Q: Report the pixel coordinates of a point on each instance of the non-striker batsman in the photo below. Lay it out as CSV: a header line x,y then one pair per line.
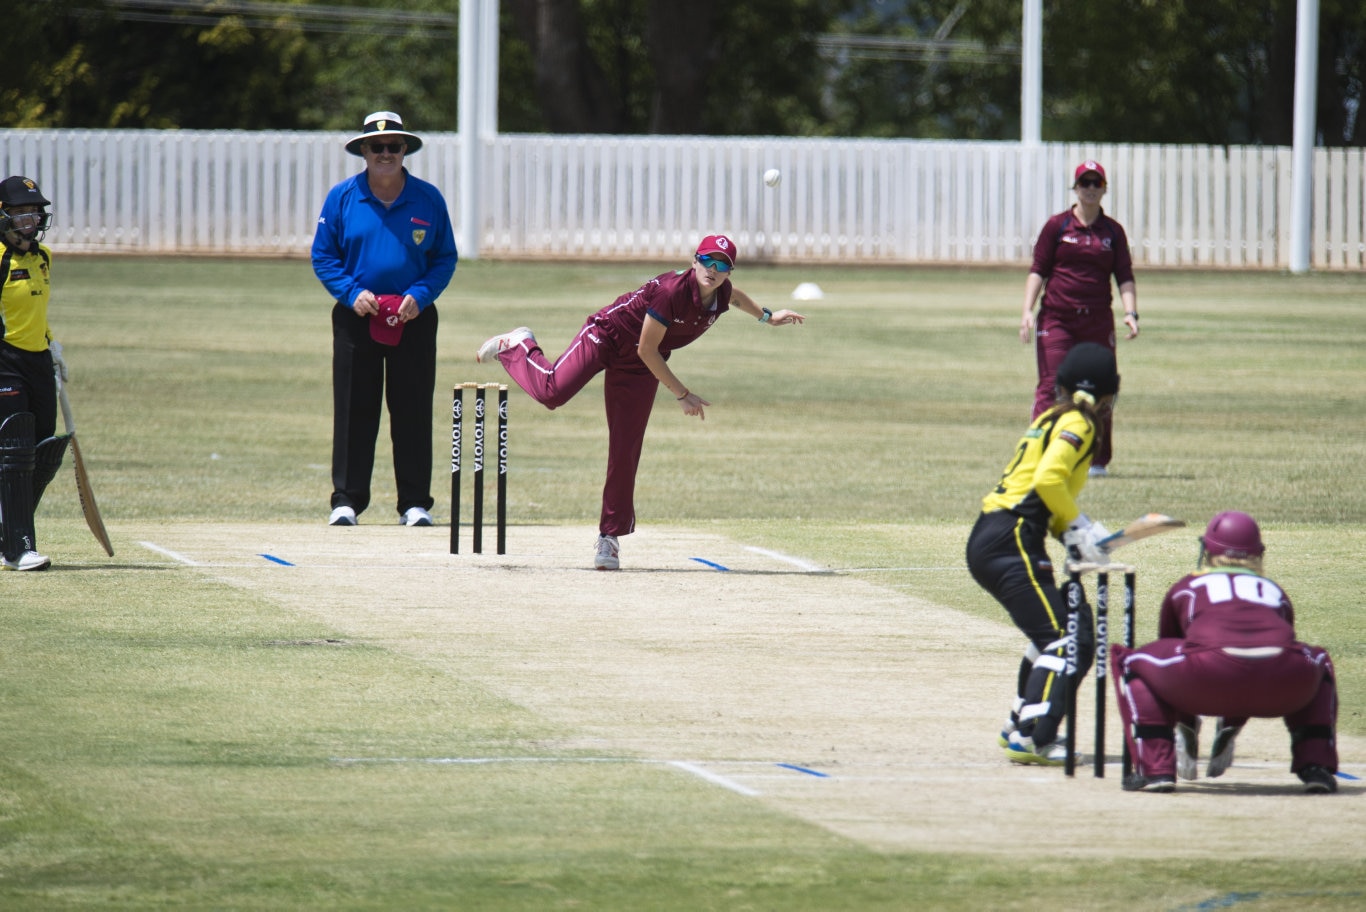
x,y
30,454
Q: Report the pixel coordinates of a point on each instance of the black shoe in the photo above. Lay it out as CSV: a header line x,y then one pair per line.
x,y
1317,780
1137,783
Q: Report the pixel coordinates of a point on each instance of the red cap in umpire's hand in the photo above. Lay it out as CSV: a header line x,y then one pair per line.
x,y
385,326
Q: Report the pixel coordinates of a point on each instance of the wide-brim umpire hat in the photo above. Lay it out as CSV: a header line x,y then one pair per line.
x,y
383,123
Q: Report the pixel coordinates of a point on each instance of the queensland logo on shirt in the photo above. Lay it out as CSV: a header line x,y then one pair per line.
x,y
420,234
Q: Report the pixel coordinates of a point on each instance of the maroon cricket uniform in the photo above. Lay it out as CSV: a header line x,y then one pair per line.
x,y
1076,262
1226,648
607,343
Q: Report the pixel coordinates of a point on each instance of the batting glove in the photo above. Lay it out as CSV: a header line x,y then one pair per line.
x,y
58,361
1082,540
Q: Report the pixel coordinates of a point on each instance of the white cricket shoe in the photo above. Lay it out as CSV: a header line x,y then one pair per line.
x,y
342,516
608,554
1188,750
494,347
415,516
1221,751
1021,749
29,560
1012,722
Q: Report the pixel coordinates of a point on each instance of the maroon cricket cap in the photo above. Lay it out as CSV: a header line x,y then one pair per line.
x,y
717,245
1086,166
385,327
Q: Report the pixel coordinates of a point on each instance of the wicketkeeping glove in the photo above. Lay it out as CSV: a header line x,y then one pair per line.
x,y
1082,540
58,361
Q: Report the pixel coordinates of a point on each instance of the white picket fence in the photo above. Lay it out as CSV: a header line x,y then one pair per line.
x,y
649,197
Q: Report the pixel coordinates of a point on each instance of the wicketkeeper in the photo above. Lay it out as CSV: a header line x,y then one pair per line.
x,y
1226,649
30,454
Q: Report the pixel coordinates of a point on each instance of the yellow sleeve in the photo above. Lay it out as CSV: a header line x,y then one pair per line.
x,y
1061,473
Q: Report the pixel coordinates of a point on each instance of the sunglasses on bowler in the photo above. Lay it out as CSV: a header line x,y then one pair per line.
x,y
378,147
714,263
1090,182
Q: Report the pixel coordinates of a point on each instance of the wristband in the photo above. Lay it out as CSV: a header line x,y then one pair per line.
x,y
768,314
1132,313
686,394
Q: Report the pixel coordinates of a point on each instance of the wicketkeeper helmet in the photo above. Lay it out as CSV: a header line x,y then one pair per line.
x,y
1233,534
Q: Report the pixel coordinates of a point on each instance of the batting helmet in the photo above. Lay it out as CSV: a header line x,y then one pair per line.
x,y
1233,534
22,193
1089,367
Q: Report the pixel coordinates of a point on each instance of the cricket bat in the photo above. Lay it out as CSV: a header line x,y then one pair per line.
x,y
87,494
1143,527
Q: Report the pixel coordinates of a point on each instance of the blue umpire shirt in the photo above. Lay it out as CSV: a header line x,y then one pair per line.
x,y
408,248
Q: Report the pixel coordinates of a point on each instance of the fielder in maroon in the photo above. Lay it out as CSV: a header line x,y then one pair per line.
x,y
630,341
1076,253
1227,648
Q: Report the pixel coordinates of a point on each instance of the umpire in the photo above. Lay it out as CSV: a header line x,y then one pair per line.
x,y
385,250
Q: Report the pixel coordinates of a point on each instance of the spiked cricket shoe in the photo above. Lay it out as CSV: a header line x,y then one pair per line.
x,y
607,555
495,346
1022,749
28,560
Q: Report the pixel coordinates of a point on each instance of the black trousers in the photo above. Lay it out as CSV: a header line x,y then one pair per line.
x,y
27,384
1008,557
367,376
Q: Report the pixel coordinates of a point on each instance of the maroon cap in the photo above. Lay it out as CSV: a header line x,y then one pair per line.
x,y
714,245
1089,165
385,327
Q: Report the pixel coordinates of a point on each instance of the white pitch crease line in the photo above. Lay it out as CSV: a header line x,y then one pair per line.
x,y
680,764
902,569
797,562
713,778
150,546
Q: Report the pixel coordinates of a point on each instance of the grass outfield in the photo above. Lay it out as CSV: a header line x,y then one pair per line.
x,y
161,728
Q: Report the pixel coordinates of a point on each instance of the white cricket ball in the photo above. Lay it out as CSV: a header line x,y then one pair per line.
x,y
773,177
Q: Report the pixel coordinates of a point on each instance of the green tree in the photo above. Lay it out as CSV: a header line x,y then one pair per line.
x,y
278,64
660,66
84,64
1160,71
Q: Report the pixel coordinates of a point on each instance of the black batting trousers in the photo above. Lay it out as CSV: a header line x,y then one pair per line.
x,y
367,376
1007,556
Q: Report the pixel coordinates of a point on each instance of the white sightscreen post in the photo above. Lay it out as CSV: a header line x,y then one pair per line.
x,y
1031,73
1302,154
478,115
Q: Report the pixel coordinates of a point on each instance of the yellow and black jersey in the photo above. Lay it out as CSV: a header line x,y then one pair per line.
x,y
1048,471
24,296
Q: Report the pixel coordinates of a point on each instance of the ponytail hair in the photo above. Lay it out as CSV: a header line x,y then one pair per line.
x,y
1084,402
